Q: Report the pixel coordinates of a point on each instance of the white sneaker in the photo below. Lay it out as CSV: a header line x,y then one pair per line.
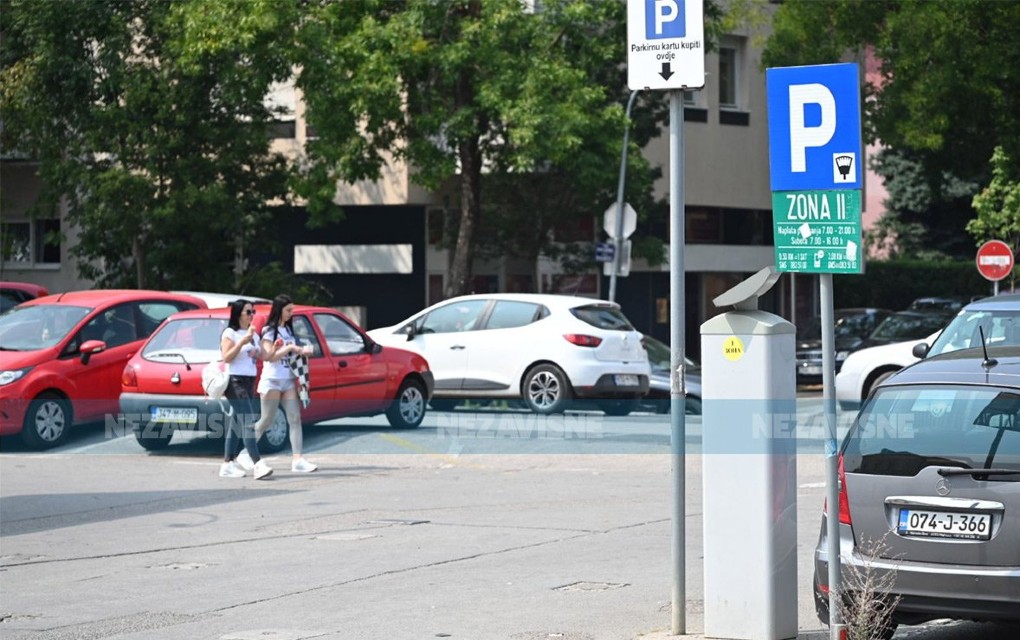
x,y
244,460
302,466
231,470
262,470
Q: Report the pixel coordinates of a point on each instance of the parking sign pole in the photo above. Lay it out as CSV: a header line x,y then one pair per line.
x,y
831,452
677,332
618,238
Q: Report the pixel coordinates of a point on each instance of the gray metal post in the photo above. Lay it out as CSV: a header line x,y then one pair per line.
x,y
677,343
618,241
831,452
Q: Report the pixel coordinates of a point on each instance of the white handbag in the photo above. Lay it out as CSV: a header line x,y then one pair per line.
x,y
215,379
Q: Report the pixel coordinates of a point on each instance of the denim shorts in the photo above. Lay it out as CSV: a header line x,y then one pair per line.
x,y
270,384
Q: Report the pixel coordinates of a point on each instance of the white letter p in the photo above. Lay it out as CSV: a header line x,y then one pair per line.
x,y
802,137
665,11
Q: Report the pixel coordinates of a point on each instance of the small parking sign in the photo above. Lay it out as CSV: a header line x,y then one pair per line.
x,y
665,44
814,127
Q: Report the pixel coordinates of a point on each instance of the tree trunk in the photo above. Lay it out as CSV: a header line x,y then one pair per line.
x,y
470,207
138,253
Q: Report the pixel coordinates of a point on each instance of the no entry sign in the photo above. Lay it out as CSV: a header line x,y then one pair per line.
x,y
995,260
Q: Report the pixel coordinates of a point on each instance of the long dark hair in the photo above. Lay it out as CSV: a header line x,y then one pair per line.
x,y
276,313
236,309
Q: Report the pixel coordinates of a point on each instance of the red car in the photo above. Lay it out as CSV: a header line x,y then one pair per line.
x,y
350,375
62,356
14,293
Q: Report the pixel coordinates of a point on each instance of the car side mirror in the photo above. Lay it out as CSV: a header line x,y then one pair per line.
x,y
90,347
411,333
920,350
375,348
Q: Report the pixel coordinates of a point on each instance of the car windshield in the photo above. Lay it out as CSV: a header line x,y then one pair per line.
x,y
191,340
1000,328
659,355
38,326
902,430
603,317
900,327
848,325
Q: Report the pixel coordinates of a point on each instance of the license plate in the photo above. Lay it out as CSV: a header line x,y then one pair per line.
x,y
177,415
811,370
942,524
626,380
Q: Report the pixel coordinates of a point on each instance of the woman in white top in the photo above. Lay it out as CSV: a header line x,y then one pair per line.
x,y
278,382
240,352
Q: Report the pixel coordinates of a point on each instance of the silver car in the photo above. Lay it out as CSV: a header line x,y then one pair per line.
x,y
930,491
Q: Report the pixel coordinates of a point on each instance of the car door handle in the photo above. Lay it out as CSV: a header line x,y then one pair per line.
x,y
458,347
342,364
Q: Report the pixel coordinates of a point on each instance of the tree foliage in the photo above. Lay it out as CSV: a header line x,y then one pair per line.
x,y
998,205
948,93
162,154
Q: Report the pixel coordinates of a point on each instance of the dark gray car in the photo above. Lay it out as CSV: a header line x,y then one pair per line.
x,y
930,490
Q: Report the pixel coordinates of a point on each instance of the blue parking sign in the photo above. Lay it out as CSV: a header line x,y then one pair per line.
x,y
814,127
665,19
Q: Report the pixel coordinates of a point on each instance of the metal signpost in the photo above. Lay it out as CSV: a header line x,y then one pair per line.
x,y
666,51
815,158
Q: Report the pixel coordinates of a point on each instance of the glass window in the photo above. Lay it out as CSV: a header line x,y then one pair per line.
x,y
728,77
153,314
30,242
192,340
1000,328
508,314
457,316
38,326
305,334
603,317
114,326
341,338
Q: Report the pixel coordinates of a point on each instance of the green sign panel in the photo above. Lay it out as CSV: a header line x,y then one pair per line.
x,y
818,231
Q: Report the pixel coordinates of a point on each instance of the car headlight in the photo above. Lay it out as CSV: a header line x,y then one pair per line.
x,y
841,355
10,375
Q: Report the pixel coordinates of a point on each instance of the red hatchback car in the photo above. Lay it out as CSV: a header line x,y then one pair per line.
x,y
62,356
350,375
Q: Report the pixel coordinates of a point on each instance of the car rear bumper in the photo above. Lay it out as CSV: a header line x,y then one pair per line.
x,y
927,590
606,386
138,411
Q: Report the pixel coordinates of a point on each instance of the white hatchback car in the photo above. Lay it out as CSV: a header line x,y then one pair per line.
x,y
866,368
543,349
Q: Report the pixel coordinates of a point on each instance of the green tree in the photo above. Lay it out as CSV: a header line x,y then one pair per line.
x,y
998,205
161,153
948,93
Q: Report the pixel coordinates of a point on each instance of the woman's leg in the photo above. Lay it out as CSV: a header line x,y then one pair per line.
x,y
270,401
231,423
292,407
245,413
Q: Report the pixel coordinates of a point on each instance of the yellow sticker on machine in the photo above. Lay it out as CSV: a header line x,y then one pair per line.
x,y
733,349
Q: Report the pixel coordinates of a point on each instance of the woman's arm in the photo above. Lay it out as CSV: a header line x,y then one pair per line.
x,y
229,349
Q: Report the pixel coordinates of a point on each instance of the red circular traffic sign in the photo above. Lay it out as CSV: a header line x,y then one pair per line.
x,y
995,260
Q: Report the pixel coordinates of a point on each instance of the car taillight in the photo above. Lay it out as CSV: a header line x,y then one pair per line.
x,y
844,498
129,378
582,340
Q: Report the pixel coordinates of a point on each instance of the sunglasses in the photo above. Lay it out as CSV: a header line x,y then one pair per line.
x,y
249,312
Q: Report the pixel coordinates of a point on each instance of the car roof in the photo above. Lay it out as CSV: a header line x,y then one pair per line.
x,y
1007,302
27,287
965,366
262,308
549,299
214,300
93,297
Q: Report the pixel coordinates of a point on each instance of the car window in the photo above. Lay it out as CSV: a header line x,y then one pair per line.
x,y
457,316
507,314
908,326
305,334
964,332
341,338
191,340
114,326
39,326
603,317
152,314
905,429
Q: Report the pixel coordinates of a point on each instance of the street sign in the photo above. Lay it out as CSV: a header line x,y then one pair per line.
x,y
604,251
665,44
995,260
817,231
814,127
607,268
629,220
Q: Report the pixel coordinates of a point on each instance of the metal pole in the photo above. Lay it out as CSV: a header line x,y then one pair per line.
x,y
677,343
617,240
831,453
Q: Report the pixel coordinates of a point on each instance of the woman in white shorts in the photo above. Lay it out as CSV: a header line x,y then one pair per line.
x,y
277,383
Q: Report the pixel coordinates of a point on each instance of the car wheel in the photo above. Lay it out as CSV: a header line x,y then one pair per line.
x,y
546,389
154,441
618,407
47,422
274,439
879,379
408,409
443,404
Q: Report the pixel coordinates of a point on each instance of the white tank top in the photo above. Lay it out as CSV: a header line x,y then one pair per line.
x,y
244,364
277,370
